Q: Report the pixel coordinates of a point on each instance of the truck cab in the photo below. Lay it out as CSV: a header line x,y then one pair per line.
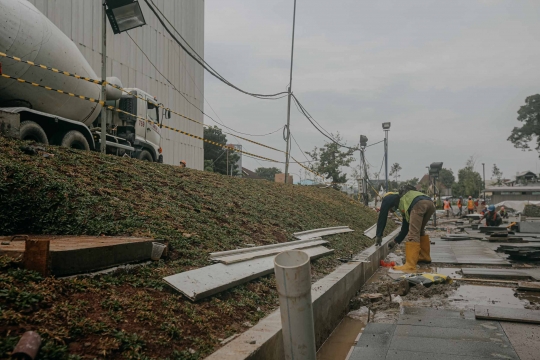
x,y
142,132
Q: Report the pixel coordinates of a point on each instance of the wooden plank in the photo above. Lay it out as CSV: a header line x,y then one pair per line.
x,y
70,242
36,256
499,313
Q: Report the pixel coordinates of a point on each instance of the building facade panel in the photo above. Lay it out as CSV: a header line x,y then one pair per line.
x,y
80,20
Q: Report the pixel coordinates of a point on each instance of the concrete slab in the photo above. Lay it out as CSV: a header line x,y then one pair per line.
x,y
431,332
507,314
496,273
437,313
454,347
466,252
406,355
525,339
529,227
368,353
448,323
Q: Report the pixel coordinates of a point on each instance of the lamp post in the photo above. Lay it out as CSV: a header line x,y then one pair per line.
x,y
289,90
386,128
484,174
434,170
123,15
363,144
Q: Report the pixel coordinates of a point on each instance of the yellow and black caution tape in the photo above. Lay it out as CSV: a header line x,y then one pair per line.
x,y
104,82
133,115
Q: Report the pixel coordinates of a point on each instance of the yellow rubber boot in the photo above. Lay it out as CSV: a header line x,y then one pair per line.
x,y
425,249
412,252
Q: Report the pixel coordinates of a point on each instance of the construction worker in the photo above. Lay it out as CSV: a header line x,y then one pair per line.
x,y
447,207
183,164
492,217
476,204
460,206
389,203
416,208
503,213
470,205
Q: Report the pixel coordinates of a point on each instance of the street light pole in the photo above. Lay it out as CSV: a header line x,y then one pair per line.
x,y
386,128
288,146
103,139
484,174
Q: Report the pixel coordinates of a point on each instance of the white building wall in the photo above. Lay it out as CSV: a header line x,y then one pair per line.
x,y
81,21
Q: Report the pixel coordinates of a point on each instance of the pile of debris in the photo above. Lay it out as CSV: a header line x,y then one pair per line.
x,y
532,211
531,253
505,236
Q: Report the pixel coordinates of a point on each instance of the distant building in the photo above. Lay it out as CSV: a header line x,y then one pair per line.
x,y
280,178
513,193
526,177
425,185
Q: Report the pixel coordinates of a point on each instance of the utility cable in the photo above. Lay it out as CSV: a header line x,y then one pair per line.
x,y
182,94
207,67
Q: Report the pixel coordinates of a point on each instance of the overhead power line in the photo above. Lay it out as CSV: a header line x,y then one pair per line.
x,y
195,106
204,64
304,112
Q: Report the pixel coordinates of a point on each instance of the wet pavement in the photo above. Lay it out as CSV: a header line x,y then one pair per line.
x,y
383,306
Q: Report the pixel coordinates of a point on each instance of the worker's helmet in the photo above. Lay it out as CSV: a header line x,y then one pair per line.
x,y
491,208
470,197
183,162
461,197
502,208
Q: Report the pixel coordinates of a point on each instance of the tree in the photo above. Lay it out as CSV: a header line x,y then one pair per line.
x,y
394,171
329,159
529,115
218,155
469,181
208,165
414,181
267,173
447,178
497,174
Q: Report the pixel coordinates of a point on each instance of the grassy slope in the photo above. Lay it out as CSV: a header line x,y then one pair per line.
x,y
133,314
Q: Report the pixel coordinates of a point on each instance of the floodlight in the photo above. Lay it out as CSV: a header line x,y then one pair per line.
x,y
386,125
124,15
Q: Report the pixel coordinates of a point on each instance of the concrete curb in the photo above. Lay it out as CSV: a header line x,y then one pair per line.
x,y
331,296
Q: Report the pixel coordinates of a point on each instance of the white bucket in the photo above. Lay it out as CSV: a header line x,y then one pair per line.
x,y
157,250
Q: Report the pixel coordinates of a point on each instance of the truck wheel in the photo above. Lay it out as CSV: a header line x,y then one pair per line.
x,y
75,140
30,130
145,156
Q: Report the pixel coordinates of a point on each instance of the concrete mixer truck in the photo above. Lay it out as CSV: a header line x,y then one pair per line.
x,y
34,113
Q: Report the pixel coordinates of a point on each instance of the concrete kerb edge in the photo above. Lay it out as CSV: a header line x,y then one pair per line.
x,y
330,296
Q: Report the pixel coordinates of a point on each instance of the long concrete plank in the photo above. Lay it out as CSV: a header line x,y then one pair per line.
x,y
203,282
497,273
500,313
437,313
235,258
330,296
442,322
416,355
310,234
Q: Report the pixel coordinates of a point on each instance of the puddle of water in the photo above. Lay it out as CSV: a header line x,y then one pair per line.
x,y
467,296
337,346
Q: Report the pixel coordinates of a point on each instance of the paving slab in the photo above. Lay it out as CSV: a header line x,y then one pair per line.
x,y
432,332
413,355
467,252
507,314
448,323
525,339
438,313
454,347
497,273
374,342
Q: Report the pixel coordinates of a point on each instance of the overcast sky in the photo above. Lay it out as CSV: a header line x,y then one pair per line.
x,y
449,76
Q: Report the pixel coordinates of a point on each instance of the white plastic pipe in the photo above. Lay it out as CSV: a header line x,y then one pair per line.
x,y
293,278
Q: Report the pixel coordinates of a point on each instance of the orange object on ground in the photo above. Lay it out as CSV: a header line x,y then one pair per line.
x,y
388,264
